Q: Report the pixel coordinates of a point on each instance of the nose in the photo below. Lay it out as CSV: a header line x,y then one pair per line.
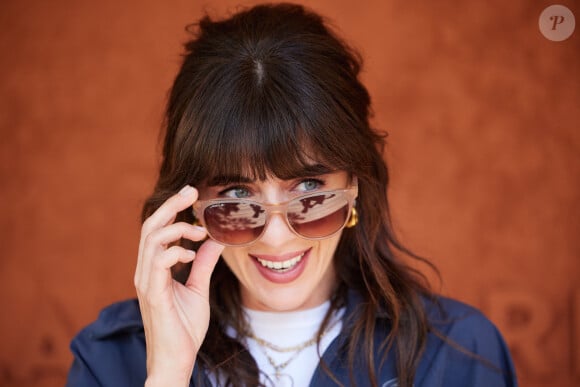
x,y
277,232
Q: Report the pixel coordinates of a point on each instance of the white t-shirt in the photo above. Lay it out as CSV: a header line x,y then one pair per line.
x,y
289,329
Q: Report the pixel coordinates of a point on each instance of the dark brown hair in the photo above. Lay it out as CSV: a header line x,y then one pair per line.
x,y
266,91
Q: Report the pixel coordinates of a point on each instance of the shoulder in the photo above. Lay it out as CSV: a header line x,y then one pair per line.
x,y
120,317
455,317
463,323
111,350
464,346
115,323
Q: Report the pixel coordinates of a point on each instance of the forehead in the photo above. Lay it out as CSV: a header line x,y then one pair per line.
x,y
225,154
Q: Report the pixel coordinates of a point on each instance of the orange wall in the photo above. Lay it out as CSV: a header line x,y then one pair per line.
x,y
482,112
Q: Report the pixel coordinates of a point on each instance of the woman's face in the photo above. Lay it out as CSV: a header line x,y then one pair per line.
x,y
282,271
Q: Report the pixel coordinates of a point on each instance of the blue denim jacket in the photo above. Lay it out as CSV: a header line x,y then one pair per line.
x,y
111,351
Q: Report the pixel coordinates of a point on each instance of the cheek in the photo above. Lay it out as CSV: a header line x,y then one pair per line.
x,y
328,247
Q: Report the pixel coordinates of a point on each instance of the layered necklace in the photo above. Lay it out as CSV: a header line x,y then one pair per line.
x,y
282,378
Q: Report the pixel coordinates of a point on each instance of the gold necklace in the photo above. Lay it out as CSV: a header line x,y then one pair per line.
x,y
297,349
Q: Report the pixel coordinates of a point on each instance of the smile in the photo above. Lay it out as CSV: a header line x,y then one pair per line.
x,y
281,266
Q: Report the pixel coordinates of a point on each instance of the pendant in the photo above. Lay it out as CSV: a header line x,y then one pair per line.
x,y
284,380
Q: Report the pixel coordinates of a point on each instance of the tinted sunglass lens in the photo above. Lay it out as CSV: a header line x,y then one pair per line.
x,y
235,223
318,216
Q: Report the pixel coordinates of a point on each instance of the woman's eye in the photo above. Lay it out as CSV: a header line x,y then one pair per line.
x,y
235,192
309,185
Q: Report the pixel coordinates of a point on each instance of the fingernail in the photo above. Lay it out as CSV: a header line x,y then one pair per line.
x,y
191,253
199,228
186,191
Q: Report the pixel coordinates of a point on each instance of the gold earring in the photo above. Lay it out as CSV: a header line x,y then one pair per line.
x,y
353,219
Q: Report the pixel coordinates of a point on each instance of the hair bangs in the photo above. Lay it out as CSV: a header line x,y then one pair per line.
x,y
265,128
257,145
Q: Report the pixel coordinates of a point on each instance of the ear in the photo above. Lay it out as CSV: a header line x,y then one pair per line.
x,y
354,184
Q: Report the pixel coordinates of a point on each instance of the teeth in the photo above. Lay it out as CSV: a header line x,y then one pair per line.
x,y
282,266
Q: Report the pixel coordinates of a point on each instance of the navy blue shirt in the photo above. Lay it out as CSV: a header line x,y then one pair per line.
x,y
111,352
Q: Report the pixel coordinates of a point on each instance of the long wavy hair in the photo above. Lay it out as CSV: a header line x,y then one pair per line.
x,y
263,92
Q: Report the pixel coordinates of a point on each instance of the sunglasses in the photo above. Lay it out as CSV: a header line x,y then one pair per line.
x,y
240,222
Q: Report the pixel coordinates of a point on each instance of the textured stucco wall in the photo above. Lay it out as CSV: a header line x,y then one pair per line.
x,y
484,148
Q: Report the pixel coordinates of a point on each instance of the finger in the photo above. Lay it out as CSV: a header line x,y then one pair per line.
x,y
164,215
171,234
167,212
156,242
160,278
202,268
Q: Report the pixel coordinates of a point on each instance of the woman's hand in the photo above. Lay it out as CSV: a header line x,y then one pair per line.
x,y
175,316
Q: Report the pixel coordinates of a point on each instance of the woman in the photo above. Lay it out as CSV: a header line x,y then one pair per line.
x,y
269,153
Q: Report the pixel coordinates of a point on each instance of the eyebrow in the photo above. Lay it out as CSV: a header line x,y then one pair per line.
x,y
307,171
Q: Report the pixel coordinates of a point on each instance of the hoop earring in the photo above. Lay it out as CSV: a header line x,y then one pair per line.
x,y
353,219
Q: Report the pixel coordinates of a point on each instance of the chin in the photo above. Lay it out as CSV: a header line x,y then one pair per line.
x,y
286,299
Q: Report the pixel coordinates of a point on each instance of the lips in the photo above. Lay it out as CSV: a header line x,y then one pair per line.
x,y
282,268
